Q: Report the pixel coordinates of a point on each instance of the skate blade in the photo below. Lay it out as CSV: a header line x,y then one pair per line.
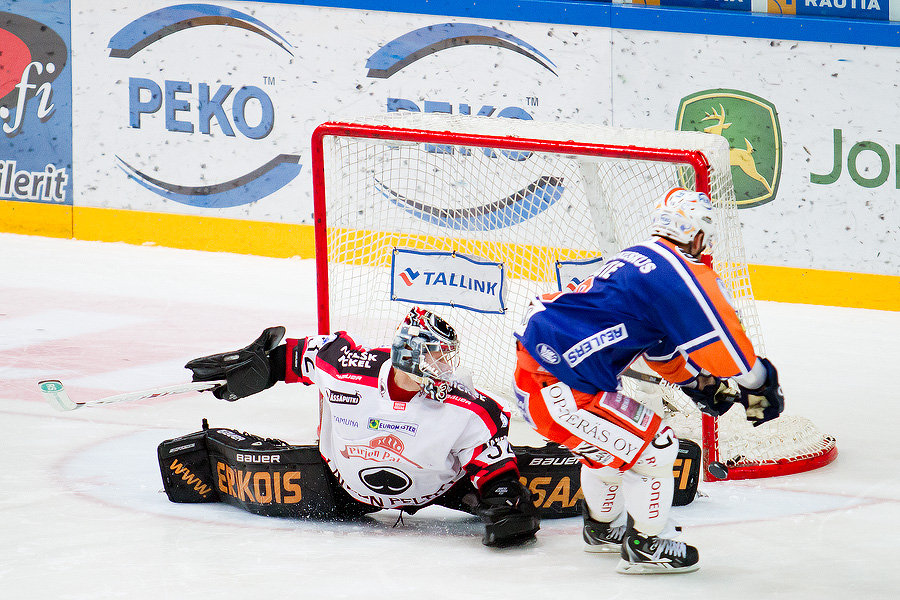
x,y
603,548
629,568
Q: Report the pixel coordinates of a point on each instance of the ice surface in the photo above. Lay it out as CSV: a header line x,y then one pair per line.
x,y
82,516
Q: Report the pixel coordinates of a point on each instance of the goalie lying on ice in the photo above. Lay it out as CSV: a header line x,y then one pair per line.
x,y
398,427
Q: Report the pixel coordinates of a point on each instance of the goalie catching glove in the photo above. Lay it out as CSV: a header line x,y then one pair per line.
x,y
508,512
244,372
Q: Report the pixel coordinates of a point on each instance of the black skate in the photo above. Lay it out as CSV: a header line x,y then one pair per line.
x,y
602,537
651,554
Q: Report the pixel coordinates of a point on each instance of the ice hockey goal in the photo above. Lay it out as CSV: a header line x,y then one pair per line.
x,y
475,215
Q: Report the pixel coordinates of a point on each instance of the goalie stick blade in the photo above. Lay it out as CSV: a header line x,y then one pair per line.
x,y
55,394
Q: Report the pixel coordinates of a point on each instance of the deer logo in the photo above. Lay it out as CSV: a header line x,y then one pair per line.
x,y
740,158
750,124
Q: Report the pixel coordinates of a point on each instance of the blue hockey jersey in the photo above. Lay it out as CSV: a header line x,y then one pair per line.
x,y
651,299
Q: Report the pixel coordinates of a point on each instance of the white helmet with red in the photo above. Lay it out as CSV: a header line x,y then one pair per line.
x,y
426,347
682,214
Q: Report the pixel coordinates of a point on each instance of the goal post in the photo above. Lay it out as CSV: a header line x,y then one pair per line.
x,y
474,216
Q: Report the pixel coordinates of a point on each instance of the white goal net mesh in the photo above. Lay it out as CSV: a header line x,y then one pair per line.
x,y
535,204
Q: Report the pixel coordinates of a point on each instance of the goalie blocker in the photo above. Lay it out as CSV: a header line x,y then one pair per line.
x,y
269,477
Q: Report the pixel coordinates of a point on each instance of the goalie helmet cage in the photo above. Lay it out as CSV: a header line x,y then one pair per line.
x,y
538,198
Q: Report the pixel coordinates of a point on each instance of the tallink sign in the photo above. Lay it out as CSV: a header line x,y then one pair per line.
x,y
448,279
219,114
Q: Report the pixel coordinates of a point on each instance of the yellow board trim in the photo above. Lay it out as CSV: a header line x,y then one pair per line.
x,y
829,288
285,240
34,218
211,234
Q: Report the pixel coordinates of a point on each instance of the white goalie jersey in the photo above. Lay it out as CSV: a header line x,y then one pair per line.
x,y
393,453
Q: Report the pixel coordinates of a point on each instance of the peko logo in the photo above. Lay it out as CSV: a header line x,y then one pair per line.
x,y
396,55
191,107
412,46
416,45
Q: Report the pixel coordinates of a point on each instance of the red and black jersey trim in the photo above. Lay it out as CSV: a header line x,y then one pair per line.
x,y
344,359
481,472
490,412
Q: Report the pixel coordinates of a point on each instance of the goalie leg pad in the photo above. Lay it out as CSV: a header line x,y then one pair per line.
x,y
263,476
553,473
186,470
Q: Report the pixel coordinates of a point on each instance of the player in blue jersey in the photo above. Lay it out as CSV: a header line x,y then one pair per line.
x,y
659,301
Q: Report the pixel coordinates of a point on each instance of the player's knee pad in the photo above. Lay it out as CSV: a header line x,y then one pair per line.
x,y
658,458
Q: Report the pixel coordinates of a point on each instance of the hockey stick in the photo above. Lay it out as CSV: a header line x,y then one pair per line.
x,y
56,395
730,394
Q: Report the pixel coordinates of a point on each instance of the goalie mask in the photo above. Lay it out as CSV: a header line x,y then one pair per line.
x,y
682,214
426,347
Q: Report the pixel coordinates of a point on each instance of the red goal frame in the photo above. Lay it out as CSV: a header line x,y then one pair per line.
x,y
692,158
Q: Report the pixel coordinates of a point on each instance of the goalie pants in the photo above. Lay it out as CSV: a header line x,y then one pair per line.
x,y
627,454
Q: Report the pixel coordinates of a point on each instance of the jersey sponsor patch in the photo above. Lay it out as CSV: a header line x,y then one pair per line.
x,y
594,343
345,421
384,449
547,354
628,408
336,397
392,426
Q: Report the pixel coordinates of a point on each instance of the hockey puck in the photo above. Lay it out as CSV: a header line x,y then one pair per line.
x,y
717,470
